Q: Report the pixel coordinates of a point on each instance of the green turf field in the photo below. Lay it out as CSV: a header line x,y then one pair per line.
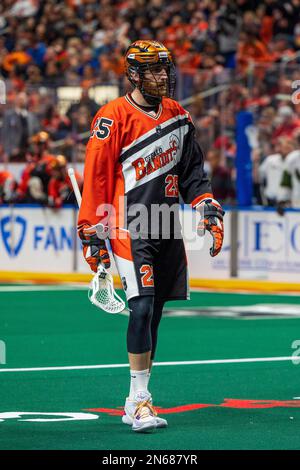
x,y
209,405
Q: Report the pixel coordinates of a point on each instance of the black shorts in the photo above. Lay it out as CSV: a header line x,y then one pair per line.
x,y
152,267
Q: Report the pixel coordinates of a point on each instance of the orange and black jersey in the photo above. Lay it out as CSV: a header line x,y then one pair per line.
x,y
139,157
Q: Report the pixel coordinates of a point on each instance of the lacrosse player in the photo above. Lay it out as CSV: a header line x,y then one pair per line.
x,y
142,152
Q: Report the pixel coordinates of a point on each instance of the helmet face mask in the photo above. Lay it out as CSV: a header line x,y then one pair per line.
x,y
149,67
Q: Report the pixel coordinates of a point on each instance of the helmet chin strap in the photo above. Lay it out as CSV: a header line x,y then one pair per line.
x,y
152,100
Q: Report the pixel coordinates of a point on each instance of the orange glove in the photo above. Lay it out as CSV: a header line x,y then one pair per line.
x,y
94,248
212,220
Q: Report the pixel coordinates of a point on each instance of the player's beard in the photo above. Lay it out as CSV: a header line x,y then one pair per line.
x,y
155,89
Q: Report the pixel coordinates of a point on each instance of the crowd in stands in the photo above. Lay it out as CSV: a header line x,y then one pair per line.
x,y
248,47
44,179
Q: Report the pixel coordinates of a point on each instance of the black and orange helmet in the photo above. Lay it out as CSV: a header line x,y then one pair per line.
x,y
39,143
41,137
150,56
59,163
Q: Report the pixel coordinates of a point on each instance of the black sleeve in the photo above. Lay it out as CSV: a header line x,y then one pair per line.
x,y
192,179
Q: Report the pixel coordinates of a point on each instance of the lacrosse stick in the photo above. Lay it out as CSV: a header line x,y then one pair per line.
x,y
101,292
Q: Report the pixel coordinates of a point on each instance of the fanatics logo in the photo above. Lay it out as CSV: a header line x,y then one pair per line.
x,y
158,130
13,249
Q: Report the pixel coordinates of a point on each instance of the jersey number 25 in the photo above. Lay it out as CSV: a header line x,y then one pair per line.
x,y
102,128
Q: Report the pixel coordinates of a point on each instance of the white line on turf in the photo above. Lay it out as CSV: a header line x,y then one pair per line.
x,y
74,285
177,363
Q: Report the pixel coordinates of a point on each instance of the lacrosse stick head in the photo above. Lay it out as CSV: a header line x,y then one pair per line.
x,y
102,293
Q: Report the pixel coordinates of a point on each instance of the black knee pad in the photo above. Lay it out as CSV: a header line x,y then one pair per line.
x,y
139,326
156,317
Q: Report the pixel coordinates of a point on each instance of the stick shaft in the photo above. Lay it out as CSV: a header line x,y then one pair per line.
x,y
73,179
77,192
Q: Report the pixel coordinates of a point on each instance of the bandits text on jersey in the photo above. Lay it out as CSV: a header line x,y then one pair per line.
x,y
156,160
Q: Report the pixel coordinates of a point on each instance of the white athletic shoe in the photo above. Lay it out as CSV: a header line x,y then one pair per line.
x,y
131,407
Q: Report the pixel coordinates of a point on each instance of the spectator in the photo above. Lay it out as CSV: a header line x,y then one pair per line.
x,y
289,193
19,125
7,186
270,172
33,186
220,177
287,122
253,51
229,26
55,124
60,190
18,57
84,101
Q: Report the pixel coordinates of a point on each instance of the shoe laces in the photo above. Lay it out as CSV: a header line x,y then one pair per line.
x,y
144,409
